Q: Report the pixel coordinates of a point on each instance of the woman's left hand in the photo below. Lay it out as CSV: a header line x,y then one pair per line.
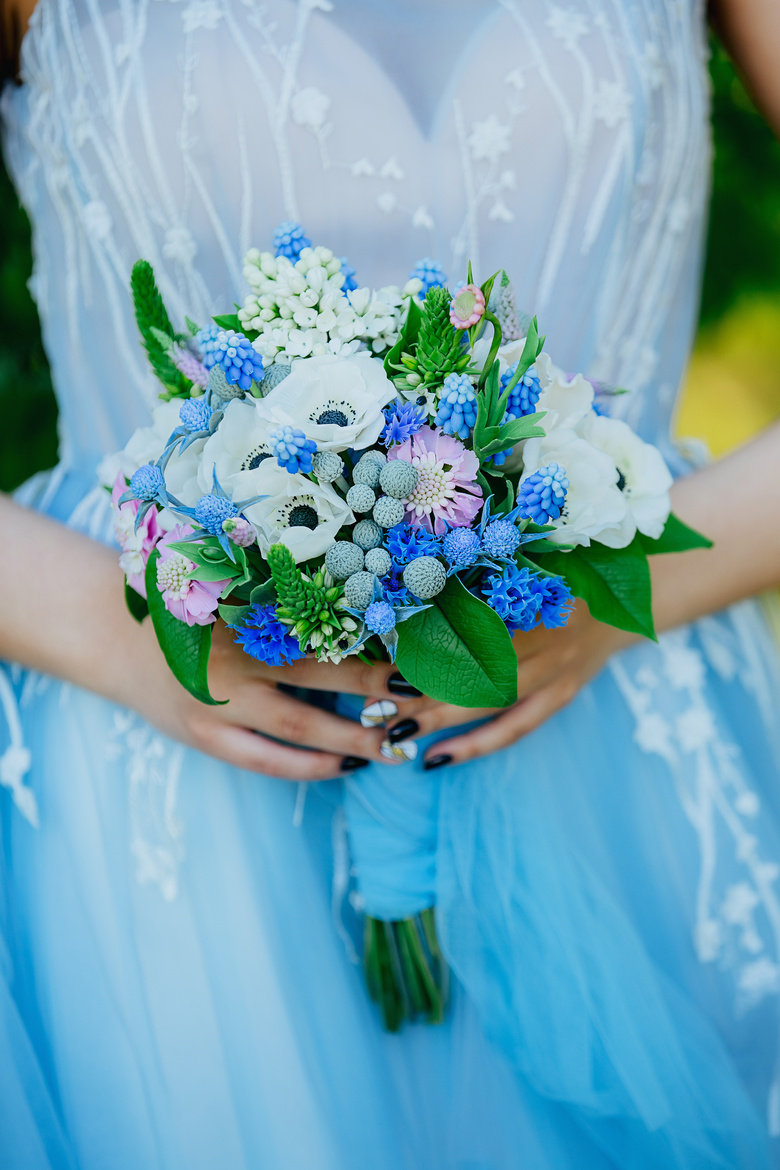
x,y
552,667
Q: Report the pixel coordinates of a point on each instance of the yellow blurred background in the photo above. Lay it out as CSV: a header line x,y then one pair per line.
x,y
733,385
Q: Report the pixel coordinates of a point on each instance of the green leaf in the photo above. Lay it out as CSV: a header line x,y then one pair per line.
x,y
459,651
186,648
407,338
615,583
514,432
233,615
675,538
228,321
135,603
213,573
264,594
193,328
531,350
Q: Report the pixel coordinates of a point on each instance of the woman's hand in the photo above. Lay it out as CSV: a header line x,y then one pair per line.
x,y
552,667
62,612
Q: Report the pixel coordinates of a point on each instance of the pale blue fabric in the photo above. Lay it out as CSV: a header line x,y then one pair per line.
x,y
178,984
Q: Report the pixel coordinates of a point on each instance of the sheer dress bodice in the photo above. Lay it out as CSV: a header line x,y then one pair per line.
x,y
566,142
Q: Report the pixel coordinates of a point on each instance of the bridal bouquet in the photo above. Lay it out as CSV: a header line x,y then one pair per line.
x,y
398,473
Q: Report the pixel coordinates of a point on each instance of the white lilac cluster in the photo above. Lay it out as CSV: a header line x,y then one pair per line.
x,y
300,309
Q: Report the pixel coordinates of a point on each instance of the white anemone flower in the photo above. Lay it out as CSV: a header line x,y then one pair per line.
x,y
565,400
643,476
595,507
237,445
296,511
336,400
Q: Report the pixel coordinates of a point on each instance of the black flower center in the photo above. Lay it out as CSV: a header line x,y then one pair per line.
x,y
255,458
333,418
621,480
303,516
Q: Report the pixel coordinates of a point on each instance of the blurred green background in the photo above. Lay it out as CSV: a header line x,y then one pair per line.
x,y
737,357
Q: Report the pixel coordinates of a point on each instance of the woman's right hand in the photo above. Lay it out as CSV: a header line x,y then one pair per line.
x,y
62,612
246,730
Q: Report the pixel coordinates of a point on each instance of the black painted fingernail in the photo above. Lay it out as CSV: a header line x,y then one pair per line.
x,y
352,763
437,762
403,730
397,685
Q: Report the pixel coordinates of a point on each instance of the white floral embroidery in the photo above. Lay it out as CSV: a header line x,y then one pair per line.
x,y
568,25
310,108
489,139
612,103
204,14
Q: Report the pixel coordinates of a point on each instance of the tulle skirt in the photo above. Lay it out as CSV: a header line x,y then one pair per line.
x,y
180,983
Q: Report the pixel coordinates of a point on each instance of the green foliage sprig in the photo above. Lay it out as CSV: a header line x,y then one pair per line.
x,y
305,602
153,320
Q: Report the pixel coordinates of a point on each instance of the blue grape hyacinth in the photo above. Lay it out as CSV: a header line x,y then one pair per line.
x,y
430,272
264,637
290,239
457,412
524,395
349,273
541,497
292,449
233,351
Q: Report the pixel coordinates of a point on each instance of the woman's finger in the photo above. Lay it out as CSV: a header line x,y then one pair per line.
x,y
351,676
254,753
504,729
271,712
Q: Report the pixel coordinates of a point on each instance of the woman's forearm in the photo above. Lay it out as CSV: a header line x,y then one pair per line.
x,y
750,30
61,602
735,503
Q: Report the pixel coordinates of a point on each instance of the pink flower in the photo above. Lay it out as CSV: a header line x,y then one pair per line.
x,y
239,530
468,305
136,545
191,601
446,494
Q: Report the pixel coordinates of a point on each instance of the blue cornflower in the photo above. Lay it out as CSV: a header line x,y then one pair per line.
x,y
404,419
524,395
523,598
457,411
146,483
348,272
500,539
290,239
380,617
394,591
557,602
541,496
212,510
404,542
430,272
233,351
292,449
461,547
264,637
195,414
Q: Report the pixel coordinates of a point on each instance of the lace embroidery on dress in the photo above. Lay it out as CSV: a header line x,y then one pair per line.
x,y
737,909
152,767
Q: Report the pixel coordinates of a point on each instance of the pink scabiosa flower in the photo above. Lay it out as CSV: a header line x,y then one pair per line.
x,y
447,494
137,544
468,306
193,602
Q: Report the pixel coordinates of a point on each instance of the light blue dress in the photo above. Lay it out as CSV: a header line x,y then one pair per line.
x,y
178,988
